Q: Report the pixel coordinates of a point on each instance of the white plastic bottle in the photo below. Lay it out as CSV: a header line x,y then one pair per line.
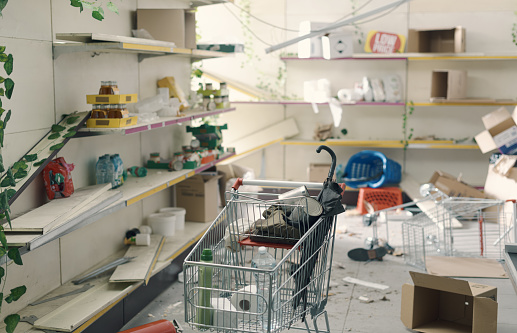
x,y
265,261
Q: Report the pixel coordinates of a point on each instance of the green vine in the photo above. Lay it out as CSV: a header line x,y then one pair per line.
x,y
514,31
359,33
407,133
97,7
8,180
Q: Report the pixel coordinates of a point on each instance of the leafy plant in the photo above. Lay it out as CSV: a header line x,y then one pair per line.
x,y
97,7
8,180
407,132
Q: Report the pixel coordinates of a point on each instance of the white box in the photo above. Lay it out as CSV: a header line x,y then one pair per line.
x,y
338,45
310,47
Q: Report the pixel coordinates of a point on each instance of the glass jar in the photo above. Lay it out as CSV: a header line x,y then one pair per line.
x,y
105,88
97,112
114,88
114,111
206,102
123,109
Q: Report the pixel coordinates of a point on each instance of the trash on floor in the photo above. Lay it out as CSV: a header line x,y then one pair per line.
x,y
365,283
365,299
464,267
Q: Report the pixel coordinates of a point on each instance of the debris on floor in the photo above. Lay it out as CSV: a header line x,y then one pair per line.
x,y
365,299
384,298
365,283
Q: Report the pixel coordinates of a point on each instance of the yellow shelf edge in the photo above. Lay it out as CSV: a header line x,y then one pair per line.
x,y
465,104
146,194
177,180
136,47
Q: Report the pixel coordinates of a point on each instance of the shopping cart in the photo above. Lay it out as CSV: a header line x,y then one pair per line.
x,y
295,288
461,227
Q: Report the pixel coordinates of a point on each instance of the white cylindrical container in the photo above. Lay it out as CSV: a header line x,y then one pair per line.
x,y
162,223
179,213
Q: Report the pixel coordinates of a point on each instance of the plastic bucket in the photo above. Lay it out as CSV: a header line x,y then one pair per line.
x,y
162,223
373,169
179,213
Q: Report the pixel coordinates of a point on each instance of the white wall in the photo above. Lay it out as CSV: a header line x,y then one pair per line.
x,y
488,26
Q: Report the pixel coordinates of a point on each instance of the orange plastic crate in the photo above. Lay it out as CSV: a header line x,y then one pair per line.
x,y
379,198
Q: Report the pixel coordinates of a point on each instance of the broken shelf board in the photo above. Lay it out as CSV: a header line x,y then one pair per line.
x,y
42,149
412,144
162,122
82,308
55,212
140,268
270,134
180,242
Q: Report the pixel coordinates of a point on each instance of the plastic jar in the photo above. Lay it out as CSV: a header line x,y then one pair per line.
x,y
114,111
97,112
105,88
162,223
155,157
114,88
179,213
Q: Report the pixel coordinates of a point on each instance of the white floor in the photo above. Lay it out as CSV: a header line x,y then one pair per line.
x,y
346,312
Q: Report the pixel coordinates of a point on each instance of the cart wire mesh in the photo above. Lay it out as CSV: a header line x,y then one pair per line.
x,y
458,226
296,287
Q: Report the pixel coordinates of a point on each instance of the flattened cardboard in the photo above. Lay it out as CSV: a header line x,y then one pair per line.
x,y
437,40
465,267
318,172
437,304
199,196
449,185
500,133
170,25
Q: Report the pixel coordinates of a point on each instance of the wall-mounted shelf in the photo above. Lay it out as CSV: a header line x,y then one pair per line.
x,y
412,144
133,190
414,56
295,102
145,48
468,103
104,295
162,122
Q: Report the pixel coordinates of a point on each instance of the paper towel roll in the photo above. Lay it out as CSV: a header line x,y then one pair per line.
x,y
225,314
246,299
162,223
179,213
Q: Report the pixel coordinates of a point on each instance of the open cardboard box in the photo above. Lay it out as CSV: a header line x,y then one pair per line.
x,y
437,40
500,133
199,196
448,84
453,187
436,304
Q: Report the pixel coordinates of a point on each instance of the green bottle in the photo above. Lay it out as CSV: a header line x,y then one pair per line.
x,y
204,316
137,171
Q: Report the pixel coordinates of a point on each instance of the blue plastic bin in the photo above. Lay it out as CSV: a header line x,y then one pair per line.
x,y
373,169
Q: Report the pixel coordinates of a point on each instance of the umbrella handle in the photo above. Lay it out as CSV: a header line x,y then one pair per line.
x,y
333,165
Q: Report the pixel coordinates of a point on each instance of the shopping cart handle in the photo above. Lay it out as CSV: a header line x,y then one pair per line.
x,y
237,184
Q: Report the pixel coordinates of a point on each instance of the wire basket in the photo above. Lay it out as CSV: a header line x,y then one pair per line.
x,y
457,226
296,287
372,169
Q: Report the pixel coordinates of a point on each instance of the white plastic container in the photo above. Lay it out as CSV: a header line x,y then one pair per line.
x,y
162,223
179,213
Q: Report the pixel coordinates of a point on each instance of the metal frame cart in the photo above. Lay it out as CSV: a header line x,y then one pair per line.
x,y
300,240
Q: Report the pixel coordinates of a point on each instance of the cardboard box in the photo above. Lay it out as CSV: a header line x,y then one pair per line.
x,y
500,133
111,122
451,186
310,47
318,172
169,25
437,40
111,99
441,304
338,45
501,180
448,84
199,196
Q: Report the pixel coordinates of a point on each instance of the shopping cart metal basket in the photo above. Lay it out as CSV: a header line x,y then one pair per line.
x,y
295,288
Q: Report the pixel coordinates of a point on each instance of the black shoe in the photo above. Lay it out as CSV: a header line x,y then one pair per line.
x,y
361,254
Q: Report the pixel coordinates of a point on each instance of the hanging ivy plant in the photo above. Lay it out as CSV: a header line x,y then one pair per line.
x,y
97,7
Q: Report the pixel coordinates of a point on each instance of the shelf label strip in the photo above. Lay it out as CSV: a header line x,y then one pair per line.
x,y
146,47
177,180
146,194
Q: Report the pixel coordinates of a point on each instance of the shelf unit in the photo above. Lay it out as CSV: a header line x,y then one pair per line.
x,y
292,102
144,48
414,57
162,122
412,144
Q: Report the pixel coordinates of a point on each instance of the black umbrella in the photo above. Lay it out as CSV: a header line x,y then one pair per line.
x,y
330,199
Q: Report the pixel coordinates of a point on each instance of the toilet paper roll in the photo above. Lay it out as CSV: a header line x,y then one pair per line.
x,y
246,300
162,223
225,315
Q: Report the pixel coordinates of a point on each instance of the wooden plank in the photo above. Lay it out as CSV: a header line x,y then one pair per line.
x,y
281,130
42,150
79,219
98,37
57,211
79,310
141,267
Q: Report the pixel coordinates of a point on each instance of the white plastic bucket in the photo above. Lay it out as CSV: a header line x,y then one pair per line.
x,y
179,213
162,223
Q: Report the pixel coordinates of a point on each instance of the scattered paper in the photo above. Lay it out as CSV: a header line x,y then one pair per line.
x,y
465,267
365,283
364,299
